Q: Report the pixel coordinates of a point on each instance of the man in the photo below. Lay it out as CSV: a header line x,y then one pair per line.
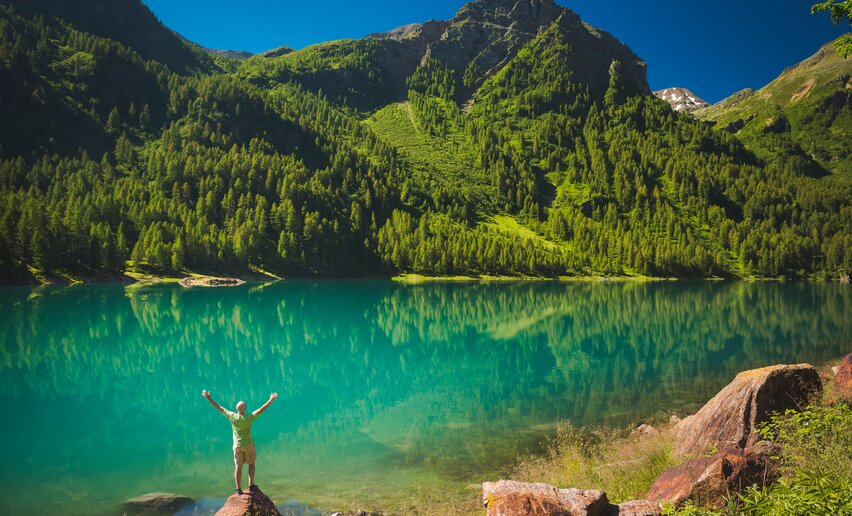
x,y
244,452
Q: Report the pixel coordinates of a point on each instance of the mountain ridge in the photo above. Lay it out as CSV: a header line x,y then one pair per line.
x,y
809,106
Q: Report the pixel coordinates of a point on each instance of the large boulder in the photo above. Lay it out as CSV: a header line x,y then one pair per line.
x,y
730,419
510,498
249,504
843,376
156,502
707,480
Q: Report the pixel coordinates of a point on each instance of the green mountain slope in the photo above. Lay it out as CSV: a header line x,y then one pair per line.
x,y
805,114
511,140
128,22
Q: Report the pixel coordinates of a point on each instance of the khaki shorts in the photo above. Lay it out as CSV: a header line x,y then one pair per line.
x,y
245,455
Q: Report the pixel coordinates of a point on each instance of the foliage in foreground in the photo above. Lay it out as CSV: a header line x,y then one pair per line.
x,y
816,462
600,458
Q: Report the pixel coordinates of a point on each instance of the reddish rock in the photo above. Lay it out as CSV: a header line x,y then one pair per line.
x,y
639,508
843,376
249,504
707,480
158,502
510,498
729,419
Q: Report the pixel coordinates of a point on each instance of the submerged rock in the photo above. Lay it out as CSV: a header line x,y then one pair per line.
x,y
249,504
729,419
843,375
157,502
510,498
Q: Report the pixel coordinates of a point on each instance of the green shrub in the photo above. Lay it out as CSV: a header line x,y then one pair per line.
x,y
807,492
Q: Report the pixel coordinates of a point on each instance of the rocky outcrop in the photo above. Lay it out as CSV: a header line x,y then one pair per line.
x,y
776,125
729,419
739,123
707,480
249,504
486,35
843,376
210,282
156,502
510,498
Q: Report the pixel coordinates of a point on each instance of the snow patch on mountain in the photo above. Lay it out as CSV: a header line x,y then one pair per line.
x,y
681,99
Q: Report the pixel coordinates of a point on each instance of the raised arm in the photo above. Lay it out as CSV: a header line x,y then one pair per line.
x,y
272,397
218,407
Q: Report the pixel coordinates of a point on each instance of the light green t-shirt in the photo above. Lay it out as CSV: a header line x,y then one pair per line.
x,y
242,427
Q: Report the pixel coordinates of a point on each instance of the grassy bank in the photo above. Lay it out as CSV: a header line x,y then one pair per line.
x,y
815,461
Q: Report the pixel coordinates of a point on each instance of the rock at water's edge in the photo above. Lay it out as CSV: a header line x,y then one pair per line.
x,y
162,502
639,508
511,498
729,419
843,376
249,504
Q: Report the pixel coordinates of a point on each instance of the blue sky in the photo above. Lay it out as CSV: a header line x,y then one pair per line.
x,y
713,48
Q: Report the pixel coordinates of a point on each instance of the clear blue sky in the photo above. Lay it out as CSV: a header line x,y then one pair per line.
x,y
713,48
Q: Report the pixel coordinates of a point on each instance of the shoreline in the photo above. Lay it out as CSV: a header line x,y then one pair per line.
x,y
136,278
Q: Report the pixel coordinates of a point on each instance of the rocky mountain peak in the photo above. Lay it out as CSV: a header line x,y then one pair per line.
x,y
681,99
485,35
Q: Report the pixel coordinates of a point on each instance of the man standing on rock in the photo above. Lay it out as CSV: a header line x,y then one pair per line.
x,y
244,451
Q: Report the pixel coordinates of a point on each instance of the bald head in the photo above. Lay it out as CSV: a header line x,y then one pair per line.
x,y
241,407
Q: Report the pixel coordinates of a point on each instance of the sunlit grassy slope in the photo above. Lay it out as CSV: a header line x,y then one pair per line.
x,y
445,160
805,110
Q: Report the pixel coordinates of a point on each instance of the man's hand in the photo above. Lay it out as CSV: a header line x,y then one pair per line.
x,y
209,398
272,397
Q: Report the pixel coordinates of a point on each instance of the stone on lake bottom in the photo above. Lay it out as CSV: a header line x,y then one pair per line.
x,y
160,502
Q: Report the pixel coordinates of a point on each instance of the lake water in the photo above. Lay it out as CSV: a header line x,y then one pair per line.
x,y
392,396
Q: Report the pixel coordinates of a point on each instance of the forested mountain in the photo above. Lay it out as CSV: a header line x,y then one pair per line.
x,y
513,139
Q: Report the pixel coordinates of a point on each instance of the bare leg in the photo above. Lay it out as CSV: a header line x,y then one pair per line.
x,y
251,475
238,475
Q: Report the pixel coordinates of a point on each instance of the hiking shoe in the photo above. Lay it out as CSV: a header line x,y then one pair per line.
x,y
239,491
253,488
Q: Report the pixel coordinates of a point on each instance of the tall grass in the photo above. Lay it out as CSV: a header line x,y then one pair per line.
x,y
612,460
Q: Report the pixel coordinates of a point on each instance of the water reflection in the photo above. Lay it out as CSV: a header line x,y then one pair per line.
x,y
397,386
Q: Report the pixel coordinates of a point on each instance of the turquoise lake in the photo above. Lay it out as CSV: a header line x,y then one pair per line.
x,y
392,396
